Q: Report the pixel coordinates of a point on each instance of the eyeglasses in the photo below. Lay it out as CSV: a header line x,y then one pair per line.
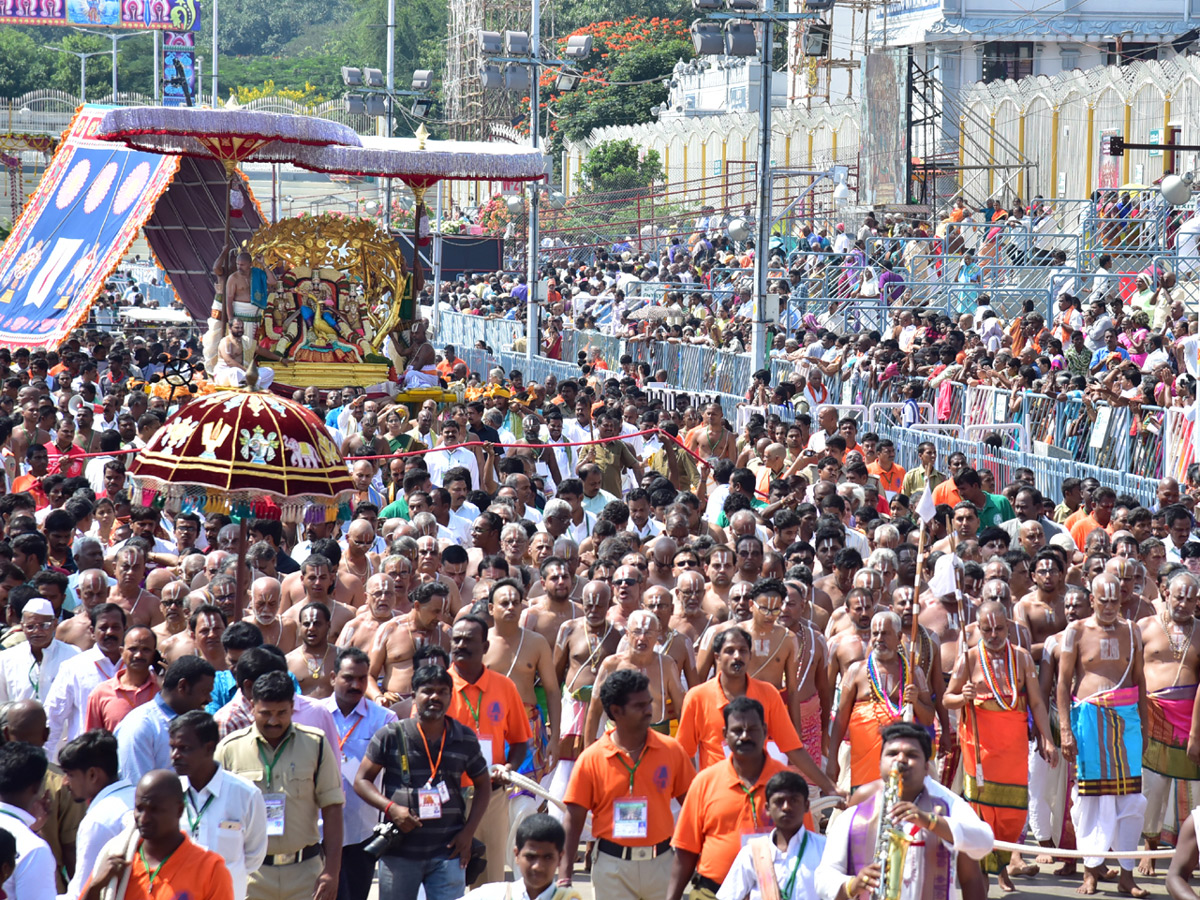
x,y
178,602
38,626
769,610
618,582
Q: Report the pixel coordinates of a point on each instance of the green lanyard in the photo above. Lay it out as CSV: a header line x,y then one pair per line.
x,y
34,680
270,764
790,887
474,711
194,823
750,799
154,874
632,770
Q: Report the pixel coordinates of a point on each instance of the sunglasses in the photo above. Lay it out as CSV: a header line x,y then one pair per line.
x,y
618,582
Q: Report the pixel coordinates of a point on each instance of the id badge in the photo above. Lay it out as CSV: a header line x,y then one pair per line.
x,y
443,791
631,817
349,769
485,748
276,804
429,804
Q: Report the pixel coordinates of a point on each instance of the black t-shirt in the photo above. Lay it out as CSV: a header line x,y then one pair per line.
x,y
487,433
460,756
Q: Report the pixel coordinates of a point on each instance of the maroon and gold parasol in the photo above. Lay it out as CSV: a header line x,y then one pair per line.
x,y
247,453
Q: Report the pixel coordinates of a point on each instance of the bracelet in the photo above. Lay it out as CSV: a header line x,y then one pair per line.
x,y
851,886
933,820
390,804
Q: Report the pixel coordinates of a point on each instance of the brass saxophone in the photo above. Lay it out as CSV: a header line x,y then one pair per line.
x,y
891,844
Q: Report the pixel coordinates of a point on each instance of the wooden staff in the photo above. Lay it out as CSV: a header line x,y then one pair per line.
x,y
909,714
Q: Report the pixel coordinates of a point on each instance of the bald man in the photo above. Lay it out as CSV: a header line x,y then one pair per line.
x,y
266,596
690,619
672,643
380,607
173,603
358,560
92,590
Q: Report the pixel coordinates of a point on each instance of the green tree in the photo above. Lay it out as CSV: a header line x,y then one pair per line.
x,y
24,65
574,14
615,166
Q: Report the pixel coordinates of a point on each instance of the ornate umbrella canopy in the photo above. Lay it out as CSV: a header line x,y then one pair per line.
x,y
248,452
231,136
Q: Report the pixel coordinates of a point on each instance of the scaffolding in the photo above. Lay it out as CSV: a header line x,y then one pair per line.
x,y
813,77
471,112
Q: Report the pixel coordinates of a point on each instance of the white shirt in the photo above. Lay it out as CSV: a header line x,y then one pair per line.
x,y
33,878
229,817
510,890
460,527
21,678
579,533
109,813
971,836
66,704
716,502
354,733
652,530
596,504
439,462
742,883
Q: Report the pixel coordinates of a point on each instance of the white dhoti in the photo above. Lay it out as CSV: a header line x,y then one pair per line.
x,y
231,376
1047,797
250,315
1108,822
1168,801
419,378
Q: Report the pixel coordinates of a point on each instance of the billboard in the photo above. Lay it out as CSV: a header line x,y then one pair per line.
x,y
178,46
86,210
884,163
166,15
1109,171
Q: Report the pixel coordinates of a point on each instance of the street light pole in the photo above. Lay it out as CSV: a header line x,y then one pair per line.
x,y
216,17
391,107
83,58
758,335
532,340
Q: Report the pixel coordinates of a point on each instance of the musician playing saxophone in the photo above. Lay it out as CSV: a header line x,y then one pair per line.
x,y
937,824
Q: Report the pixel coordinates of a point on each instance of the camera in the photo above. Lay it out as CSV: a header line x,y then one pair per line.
x,y
384,836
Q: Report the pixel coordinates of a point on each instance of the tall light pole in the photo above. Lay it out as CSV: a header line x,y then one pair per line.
x,y
115,38
391,102
532,341
758,334
83,58
216,17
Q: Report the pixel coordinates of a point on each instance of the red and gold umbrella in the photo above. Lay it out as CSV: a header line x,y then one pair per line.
x,y
251,454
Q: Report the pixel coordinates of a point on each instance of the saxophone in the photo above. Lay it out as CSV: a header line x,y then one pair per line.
x,y
891,844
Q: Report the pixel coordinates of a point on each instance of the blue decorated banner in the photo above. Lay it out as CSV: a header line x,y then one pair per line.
x,y
167,15
178,46
86,211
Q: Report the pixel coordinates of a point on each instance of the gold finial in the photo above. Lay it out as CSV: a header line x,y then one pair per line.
x,y
422,135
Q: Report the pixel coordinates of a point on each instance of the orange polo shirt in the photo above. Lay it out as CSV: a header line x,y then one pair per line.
x,y
1075,517
191,872
702,722
112,701
601,776
493,707
890,481
947,493
718,811
1084,526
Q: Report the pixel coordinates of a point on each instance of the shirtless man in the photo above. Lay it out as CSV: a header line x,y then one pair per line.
x,y
231,354
627,592
964,525
928,656
92,590
367,441
358,560
239,304
312,663
28,434
1041,610
263,614
396,642
658,600
174,609
1012,668
141,607
741,608
346,589
719,570
666,691
774,651
525,657
691,620
813,696
580,648
660,553
361,631
548,613
1171,660
869,580
840,581
1100,656
849,647
206,625
1128,573
711,437
944,619
314,583
996,591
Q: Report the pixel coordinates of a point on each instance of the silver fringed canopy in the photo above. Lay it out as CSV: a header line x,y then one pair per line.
x,y
231,136
421,163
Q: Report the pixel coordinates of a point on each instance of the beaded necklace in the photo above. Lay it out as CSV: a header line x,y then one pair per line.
x,y
989,676
877,685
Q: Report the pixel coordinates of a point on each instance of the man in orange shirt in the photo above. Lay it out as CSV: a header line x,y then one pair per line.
x,y
161,861
887,472
489,703
946,493
702,723
38,459
1104,499
446,366
626,781
133,685
726,804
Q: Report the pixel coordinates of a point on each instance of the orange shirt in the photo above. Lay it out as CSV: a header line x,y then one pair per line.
x,y
191,872
601,776
889,481
446,366
947,493
112,701
31,484
1085,526
702,722
493,707
718,811
1075,517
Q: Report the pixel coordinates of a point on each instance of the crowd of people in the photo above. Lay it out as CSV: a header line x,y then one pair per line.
x,y
683,633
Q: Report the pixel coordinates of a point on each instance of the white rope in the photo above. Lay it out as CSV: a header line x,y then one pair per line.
x,y
1032,850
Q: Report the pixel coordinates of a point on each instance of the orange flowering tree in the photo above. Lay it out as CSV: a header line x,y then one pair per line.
x,y
622,79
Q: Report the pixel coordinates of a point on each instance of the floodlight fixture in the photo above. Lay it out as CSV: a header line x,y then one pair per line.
x,y
422,79
818,5
492,78
516,43
567,80
351,76
516,79
742,5
740,39
704,6
579,46
354,105
490,43
376,105
816,39
374,78
420,108
707,38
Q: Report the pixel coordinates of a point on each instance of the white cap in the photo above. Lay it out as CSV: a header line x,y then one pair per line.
x,y
38,606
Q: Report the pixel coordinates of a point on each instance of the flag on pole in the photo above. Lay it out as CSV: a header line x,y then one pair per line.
x,y
926,508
